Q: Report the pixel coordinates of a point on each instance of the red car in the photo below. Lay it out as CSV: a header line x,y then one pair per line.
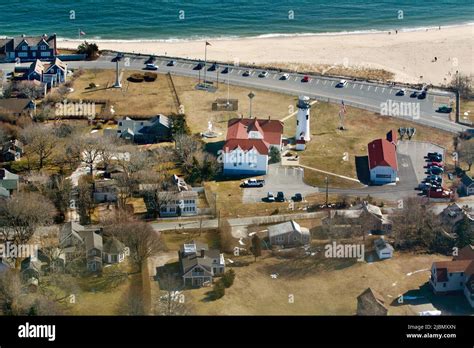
x,y
306,78
435,164
438,192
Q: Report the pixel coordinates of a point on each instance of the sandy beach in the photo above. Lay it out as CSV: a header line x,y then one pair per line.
x,y
409,55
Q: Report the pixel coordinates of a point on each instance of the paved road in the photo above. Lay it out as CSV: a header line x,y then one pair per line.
x,y
369,96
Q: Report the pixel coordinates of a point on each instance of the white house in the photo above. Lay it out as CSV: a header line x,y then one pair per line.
x,y
383,249
248,145
382,156
288,234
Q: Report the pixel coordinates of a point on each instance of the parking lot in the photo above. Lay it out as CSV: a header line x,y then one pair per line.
x,y
279,178
416,151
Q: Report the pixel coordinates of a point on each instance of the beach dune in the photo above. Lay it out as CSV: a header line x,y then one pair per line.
x,y
409,55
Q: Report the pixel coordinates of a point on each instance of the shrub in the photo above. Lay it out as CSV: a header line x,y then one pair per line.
x,y
218,291
275,155
228,278
136,78
92,85
150,77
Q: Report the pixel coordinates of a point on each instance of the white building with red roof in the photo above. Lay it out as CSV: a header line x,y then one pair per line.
x,y
248,143
383,164
456,275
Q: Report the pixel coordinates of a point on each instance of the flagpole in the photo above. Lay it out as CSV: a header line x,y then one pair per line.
x,y
205,62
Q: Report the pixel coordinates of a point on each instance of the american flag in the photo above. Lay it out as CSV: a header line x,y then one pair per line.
x,y
343,107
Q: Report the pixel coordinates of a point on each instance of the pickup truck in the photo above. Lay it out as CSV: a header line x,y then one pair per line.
x,y
253,183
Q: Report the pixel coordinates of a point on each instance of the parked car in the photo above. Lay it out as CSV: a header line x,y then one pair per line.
x,y
414,94
433,178
171,63
435,164
151,66
434,157
425,186
199,66
253,183
401,92
213,67
263,74
435,170
422,95
297,197
444,109
225,70
285,76
439,192
270,197
342,84
306,78
246,73
280,197
468,134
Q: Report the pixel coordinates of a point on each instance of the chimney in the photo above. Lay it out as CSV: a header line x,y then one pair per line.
x,y
202,253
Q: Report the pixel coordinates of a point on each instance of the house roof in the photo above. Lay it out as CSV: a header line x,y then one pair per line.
x,y
465,253
271,130
373,295
467,180
190,256
93,240
285,227
382,153
14,105
37,66
113,246
260,145
12,44
455,266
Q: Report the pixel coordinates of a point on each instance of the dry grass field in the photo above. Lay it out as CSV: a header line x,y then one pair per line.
x,y
318,287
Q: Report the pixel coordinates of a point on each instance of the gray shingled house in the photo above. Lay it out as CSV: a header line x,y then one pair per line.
x,y
199,264
29,48
288,234
149,131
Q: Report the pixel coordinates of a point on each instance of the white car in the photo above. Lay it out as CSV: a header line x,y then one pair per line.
x,y
151,67
342,84
263,74
285,76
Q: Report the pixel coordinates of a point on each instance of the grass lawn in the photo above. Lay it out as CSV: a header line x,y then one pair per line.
x,y
198,105
328,145
467,106
134,99
321,287
174,240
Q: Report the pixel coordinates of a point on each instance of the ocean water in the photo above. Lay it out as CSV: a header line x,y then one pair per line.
x,y
197,19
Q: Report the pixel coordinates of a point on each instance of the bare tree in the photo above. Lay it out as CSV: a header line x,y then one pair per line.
x,y
85,199
463,84
30,90
21,214
40,141
170,300
466,152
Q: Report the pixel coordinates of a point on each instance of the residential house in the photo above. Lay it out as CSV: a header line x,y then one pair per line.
x,y
199,264
382,156
9,181
52,74
456,275
365,215
288,234
105,191
29,48
383,249
467,185
179,200
149,131
370,302
248,143
35,266
76,239
12,150
454,213
114,251
16,107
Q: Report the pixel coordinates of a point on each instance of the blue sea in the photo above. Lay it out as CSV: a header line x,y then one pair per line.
x,y
196,19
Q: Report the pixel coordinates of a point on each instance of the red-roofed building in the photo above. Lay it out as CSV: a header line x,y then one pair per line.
x,y
456,275
248,144
383,164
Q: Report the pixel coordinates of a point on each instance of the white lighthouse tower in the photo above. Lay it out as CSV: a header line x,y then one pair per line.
x,y
302,120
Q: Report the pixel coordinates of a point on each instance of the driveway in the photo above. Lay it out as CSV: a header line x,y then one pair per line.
x,y
279,178
416,151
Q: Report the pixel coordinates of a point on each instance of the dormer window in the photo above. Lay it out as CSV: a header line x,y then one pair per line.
x,y
25,48
43,47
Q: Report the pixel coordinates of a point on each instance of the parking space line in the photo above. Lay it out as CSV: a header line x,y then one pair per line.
x,y
354,85
296,78
375,89
324,83
361,86
332,83
383,90
368,88
274,76
317,81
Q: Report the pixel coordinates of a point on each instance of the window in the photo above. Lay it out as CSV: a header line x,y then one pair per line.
x,y
43,47
444,285
25,48
114,258
295,238
307,116
120,124
297,122
45,54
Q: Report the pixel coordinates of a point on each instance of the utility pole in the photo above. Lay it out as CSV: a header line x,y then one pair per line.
x,y
326,180
251,95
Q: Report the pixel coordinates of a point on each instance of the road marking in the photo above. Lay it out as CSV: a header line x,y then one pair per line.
x,y
391,90
368,88
383,90
296,78
231,71
317,81
376,89
354,85
361,86
324,83
332,83
274,76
